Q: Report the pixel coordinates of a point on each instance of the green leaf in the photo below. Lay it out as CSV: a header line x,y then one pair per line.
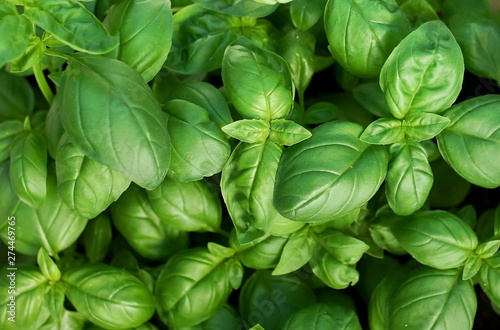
x,y
147,233
320,113
47,266
421,126
496,223
30,288
247,185
344,248
490,278
262,255
362,33
257,81
97,238
419,11
372,98
17,98
409,178
9,130
191,206
238,7
53,128
86,186
328,175
31,56
383,131
471,143
472,266
323,316
106,105
64,19
424,73
381,231
109,297
194,285
469,215
55,300
286,132
8,197
297,251
199,147
305,13
220,250
248,130
15,33
144,29
332,272
269,300
488,249
437,239
28,168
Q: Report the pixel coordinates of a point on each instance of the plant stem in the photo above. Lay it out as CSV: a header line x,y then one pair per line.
x,y
42,83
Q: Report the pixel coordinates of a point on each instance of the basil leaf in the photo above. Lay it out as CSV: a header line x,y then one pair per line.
x,y
362,33
437,239
17,98
86,186
47,266
262,255
109,297
9,130
257,81
247,186
490,278
331,271
372,98
419,11
32,55
238,7
287,132
421,126
15,33
192,206
248,130
144,29
63,18
269,300
53,128
147,233
328,175
471,143
30,288
97,238
297,251
323,316
194,285
449,189
472,266
8,198
305,13
409,178
432,63
383,131
344,248
320,113
131,124
199,147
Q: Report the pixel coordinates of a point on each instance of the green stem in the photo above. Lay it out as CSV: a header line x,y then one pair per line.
x,y
42,83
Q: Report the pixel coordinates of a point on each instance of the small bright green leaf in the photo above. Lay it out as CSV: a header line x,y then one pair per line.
x,y
381,232
323,316
31,56
97,238
424,73
297,251
106,106
258,82
220,250
190,206
17,98
238,7
332,272
344,248
287,132
490,278
15,33
262,255
383,131
144,29
363,33
86,186
409,178
64,19
47,266
471,143
248,130
257,327
472,266
488,249
108,296
328,175
419,126
437,239
306,13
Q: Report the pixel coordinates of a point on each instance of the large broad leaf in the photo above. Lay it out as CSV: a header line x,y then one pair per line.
x,y
238,7
144,29
362,33
15,33
51,225
424,72
190,206
148,234
471,143
110,113
305,13
323,316
328,175
109,297
490,278
64,19
194,285
26,309
85,185
247,185
257,81
199,147
409,178
437,239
